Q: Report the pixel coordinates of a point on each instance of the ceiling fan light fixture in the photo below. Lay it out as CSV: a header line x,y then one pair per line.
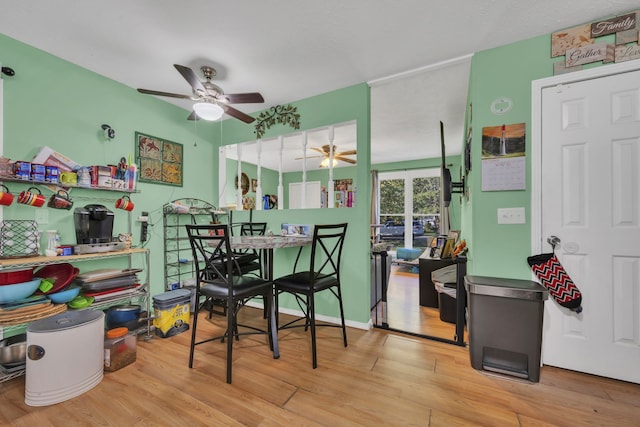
x,y
208,111
325,162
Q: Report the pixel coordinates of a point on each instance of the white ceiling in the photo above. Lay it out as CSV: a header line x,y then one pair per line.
x,y
415,53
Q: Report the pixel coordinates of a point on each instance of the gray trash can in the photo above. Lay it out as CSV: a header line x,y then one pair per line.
x,y
445,281
505,325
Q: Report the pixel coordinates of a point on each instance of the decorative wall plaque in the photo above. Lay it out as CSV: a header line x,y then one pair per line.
x,y
627,52
586,54
570,38
159,160
613,25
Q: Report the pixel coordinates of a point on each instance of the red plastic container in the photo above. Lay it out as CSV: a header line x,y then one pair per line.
x,y
61,274
18,276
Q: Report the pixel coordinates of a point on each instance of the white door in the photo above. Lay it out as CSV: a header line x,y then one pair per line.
x,y
590,184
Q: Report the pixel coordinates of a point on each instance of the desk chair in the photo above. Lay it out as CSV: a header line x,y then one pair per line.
x,y
217,278
323,274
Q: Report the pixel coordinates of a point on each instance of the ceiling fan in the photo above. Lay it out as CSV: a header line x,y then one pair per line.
x,y
212,101
337,155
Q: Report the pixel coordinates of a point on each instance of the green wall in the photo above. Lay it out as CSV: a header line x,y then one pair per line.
x,y
55,103
507,71
51,102
351,103
58,104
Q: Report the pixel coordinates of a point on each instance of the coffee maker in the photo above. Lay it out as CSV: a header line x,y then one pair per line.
x,y
94,224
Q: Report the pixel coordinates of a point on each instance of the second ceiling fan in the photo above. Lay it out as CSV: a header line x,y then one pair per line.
x,y
212,101
337,155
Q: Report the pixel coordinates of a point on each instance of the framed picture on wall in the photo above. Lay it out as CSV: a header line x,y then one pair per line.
x,y
160,161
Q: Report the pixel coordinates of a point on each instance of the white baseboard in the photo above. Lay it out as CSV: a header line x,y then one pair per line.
x,y
327,319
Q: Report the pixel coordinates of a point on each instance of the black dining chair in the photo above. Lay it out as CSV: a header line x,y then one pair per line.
x,y
247,261
323,275
218,278
250,260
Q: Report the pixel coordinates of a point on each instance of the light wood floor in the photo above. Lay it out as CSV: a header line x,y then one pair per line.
x,y
404,312
380,379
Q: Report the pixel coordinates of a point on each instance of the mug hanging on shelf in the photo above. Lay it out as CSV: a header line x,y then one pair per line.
x,y
124,203
60,200
32,196
6,198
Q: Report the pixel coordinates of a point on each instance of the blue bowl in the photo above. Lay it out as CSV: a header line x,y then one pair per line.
x,y
18,291
64,296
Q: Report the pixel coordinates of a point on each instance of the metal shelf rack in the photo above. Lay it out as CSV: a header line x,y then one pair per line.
x,y
179,270
31,262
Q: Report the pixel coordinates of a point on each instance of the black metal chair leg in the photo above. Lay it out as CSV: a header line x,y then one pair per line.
x,y
312,321
231,328
344,326
193,336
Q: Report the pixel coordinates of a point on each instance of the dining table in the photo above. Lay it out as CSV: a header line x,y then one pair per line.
x,y
266,245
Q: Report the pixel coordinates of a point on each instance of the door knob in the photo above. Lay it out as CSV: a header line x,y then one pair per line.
x,y
553,241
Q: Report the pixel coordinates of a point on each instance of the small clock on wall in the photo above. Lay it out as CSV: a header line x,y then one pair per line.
x,y
501,105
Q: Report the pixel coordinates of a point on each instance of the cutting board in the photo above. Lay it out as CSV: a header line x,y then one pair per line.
x,y
105,273
31,313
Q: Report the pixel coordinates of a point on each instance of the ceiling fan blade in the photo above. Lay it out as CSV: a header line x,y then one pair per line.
x,y
242,98
344,159
309,157
172,95
237,114
193,116
191,78
319,150
345,153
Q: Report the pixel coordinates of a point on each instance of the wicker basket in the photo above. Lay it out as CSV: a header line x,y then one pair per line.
x,y
18,239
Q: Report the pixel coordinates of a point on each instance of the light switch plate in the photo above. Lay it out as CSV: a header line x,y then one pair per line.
x,y
511,216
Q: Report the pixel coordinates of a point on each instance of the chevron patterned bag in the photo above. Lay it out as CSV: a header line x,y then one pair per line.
x,y
554,277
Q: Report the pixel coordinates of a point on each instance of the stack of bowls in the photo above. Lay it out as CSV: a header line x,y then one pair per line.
x,y
17,291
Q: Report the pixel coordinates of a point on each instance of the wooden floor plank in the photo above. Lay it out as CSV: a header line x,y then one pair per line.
x,y
381,378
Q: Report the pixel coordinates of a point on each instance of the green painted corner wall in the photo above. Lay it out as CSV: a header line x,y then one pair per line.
x,y
506,71
51,102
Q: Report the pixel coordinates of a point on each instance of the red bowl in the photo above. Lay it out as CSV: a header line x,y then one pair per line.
x,y
18,276
60,274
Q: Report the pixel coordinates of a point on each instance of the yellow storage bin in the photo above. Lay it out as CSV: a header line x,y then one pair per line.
x,y
171,312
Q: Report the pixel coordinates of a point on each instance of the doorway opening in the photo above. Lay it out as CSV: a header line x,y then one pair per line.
x,y
409,218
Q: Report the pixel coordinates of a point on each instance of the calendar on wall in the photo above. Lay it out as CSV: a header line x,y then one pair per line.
x,y
504,158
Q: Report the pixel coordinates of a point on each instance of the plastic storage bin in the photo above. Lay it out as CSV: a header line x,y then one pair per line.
x,y
505,325
119,349
171,312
